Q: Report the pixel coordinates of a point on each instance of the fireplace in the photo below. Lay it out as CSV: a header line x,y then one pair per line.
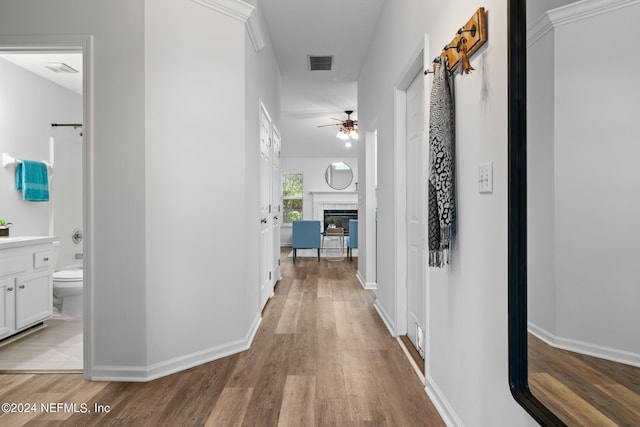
x,y
339,217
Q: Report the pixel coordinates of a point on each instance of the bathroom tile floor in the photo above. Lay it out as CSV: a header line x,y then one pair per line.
x,y
58,347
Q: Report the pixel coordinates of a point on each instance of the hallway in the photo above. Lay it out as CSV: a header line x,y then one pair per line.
x,y
322,356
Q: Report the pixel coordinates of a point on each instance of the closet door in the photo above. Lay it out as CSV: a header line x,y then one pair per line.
x,y
416,214
276,201
266,214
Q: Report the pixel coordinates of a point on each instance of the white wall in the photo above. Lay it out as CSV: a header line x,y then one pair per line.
x,y
313,170
541,298
367,207
592,262
195,155
262,83
28,106
467,347
117,259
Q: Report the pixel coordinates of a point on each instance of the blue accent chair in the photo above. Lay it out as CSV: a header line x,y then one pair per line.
x,y
352,240
306,235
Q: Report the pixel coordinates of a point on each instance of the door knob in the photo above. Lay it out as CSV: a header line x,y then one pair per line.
x,y
275,217
21,286
263,220
9,289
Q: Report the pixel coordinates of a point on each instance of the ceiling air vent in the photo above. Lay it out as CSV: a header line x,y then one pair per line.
x,y
320,63
60,67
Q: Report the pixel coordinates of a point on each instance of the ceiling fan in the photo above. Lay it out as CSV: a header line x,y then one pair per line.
x,y
348,128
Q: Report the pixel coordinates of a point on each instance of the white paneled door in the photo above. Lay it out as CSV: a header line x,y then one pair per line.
x,y
276,202
266,215
416,214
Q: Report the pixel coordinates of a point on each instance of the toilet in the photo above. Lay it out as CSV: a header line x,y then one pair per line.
x,y
67,288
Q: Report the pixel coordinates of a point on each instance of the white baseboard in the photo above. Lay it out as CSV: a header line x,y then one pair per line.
x,y
582,347
369,286
171,366
442,405
119,373
385,318
541,333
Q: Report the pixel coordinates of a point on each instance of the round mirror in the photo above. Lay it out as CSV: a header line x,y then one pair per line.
x,y
338,175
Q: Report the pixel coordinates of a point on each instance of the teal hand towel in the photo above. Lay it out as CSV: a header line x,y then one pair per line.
x,y
33,180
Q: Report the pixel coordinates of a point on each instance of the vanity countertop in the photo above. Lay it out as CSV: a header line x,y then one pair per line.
x,y
13,242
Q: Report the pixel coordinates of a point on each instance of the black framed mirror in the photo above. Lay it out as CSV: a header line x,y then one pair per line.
x,y
517,216
574,351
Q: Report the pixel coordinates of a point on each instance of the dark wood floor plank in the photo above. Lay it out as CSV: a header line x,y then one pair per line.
x,y
288,322
627,410
332,412
231,408
76,392
574,407
298,402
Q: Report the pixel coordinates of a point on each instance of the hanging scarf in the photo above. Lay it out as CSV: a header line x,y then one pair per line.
x,y
442,213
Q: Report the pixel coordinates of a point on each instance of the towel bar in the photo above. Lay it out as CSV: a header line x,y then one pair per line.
x,y
8,159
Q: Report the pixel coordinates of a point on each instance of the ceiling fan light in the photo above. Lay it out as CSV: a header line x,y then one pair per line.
x,y
353,134
347,144
342,135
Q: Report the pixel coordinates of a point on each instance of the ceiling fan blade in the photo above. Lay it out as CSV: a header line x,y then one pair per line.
x,y
333,124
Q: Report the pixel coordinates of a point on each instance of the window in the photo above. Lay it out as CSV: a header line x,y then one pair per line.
x,y
291,197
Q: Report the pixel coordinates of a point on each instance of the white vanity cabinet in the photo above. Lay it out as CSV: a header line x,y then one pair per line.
x,y
34,294
7,307
26,283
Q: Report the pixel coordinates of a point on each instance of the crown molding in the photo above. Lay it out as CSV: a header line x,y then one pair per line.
x,y
236,9
573,12
254,28
539,29
243,12
585,9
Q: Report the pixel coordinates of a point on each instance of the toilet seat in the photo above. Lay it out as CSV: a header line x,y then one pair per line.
x,y
67,276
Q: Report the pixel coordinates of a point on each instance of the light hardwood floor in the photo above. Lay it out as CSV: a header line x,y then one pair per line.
x,y
583,390
322,357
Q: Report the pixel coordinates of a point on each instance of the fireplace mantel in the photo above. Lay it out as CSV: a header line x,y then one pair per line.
x,y
334,195
332,200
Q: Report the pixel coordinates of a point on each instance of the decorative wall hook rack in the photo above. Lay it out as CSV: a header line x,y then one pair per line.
x,y
467,41
471,30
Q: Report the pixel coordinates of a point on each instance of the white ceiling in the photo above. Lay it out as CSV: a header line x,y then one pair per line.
x,y
36,63
298,28
341,28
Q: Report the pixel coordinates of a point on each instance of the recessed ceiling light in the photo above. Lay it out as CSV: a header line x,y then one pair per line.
x,y
60,67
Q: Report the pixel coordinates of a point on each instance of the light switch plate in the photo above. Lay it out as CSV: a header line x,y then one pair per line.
x,y
485,177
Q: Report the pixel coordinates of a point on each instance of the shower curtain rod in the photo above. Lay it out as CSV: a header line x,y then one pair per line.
x,y
75,125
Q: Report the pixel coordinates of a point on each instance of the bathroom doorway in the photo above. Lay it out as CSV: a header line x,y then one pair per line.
x,y
44,86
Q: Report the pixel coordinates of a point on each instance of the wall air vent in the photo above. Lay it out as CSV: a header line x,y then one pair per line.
x,y
320,63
